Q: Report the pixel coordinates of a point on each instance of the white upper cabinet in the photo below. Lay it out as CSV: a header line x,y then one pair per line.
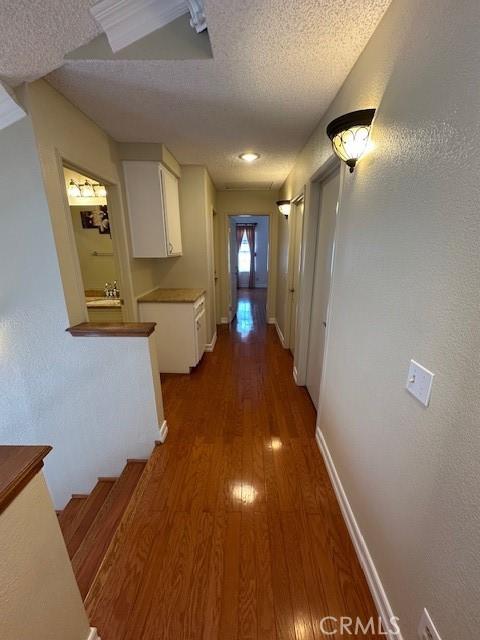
x,y
154,210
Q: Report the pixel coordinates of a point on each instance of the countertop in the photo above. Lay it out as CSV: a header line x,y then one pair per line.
x,y
103,302
173,295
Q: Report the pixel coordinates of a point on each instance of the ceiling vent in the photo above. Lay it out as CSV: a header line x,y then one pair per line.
x,y
126,21
249,186
10,110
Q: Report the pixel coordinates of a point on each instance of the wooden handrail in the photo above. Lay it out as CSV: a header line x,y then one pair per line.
x,y
112,329
18,465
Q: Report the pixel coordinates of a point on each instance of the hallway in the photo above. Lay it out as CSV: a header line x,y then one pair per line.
x,y
235,531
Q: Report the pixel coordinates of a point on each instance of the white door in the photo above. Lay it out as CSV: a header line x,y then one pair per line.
x,y
233,268
172,213
294,273
321,283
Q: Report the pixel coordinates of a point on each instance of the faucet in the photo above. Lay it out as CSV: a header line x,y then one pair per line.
x,y
111,290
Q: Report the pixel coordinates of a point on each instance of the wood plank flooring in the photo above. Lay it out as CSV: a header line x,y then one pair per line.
x,y
235,532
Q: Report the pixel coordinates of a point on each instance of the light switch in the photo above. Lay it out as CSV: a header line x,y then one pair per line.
x,y
419,382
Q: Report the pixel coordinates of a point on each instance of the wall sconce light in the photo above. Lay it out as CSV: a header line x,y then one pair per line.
x,y
349,135
73,190
284,206
86,190
100,190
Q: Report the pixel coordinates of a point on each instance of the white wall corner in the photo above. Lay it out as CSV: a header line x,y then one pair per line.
x,y
10,110
126,21
163,432
210,346
379,595
280,335
93,635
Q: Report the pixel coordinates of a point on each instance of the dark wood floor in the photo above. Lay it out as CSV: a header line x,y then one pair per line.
x,y
235,532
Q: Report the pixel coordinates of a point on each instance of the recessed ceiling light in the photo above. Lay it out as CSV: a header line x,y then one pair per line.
x,y
249,156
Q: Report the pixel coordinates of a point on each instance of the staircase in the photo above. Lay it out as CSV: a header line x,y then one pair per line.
x,y
89,522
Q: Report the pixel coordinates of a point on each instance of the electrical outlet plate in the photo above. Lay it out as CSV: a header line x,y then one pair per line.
x,y
419,382
426,628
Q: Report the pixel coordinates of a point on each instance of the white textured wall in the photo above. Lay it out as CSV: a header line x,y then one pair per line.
x,y
93,399
406,285
39,597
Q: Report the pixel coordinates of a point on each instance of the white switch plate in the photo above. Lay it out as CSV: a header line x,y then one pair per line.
x,y
426,628
419,382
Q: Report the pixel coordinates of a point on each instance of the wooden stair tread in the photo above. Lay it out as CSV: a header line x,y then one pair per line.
x,y
87,515
93,547
68,515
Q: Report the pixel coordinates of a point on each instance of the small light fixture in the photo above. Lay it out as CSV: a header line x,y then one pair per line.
x,y
349,135
73,189
284,206
100,190
249,156
86,190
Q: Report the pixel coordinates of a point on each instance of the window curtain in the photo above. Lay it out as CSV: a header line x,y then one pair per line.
x,y
250,231
240,230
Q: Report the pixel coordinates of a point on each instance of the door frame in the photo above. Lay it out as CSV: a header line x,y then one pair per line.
x,y
299,199
228,217
120,250
311,218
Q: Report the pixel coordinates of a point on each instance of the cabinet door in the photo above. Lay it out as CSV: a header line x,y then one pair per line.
x,y
172,212
145,209
201,335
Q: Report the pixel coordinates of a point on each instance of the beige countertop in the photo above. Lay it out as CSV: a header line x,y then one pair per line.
x,y
172,295
103,303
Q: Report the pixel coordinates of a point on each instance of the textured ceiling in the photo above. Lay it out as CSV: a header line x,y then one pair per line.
x,y
277,64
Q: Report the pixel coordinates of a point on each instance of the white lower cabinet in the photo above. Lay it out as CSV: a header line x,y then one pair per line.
x,y
180,334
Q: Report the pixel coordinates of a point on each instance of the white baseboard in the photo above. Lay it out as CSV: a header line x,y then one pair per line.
x,y
371,574
295,375
163,432
271,321
280,334
223,320
210,346
93,635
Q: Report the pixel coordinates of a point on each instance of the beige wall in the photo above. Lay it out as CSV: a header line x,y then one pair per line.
x,y
39,597
253,202
406,286
96,270
65,133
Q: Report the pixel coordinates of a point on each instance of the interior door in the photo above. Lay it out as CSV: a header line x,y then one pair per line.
x,y
296,252
321,283
233,268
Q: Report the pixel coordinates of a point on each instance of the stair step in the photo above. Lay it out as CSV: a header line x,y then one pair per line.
x,y
94,545
87,515
68,515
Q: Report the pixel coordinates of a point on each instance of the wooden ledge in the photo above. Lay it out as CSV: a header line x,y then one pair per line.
x,y
18,465
113,329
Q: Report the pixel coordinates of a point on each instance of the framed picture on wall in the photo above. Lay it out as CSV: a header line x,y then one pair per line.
x,y
88,219
104,226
